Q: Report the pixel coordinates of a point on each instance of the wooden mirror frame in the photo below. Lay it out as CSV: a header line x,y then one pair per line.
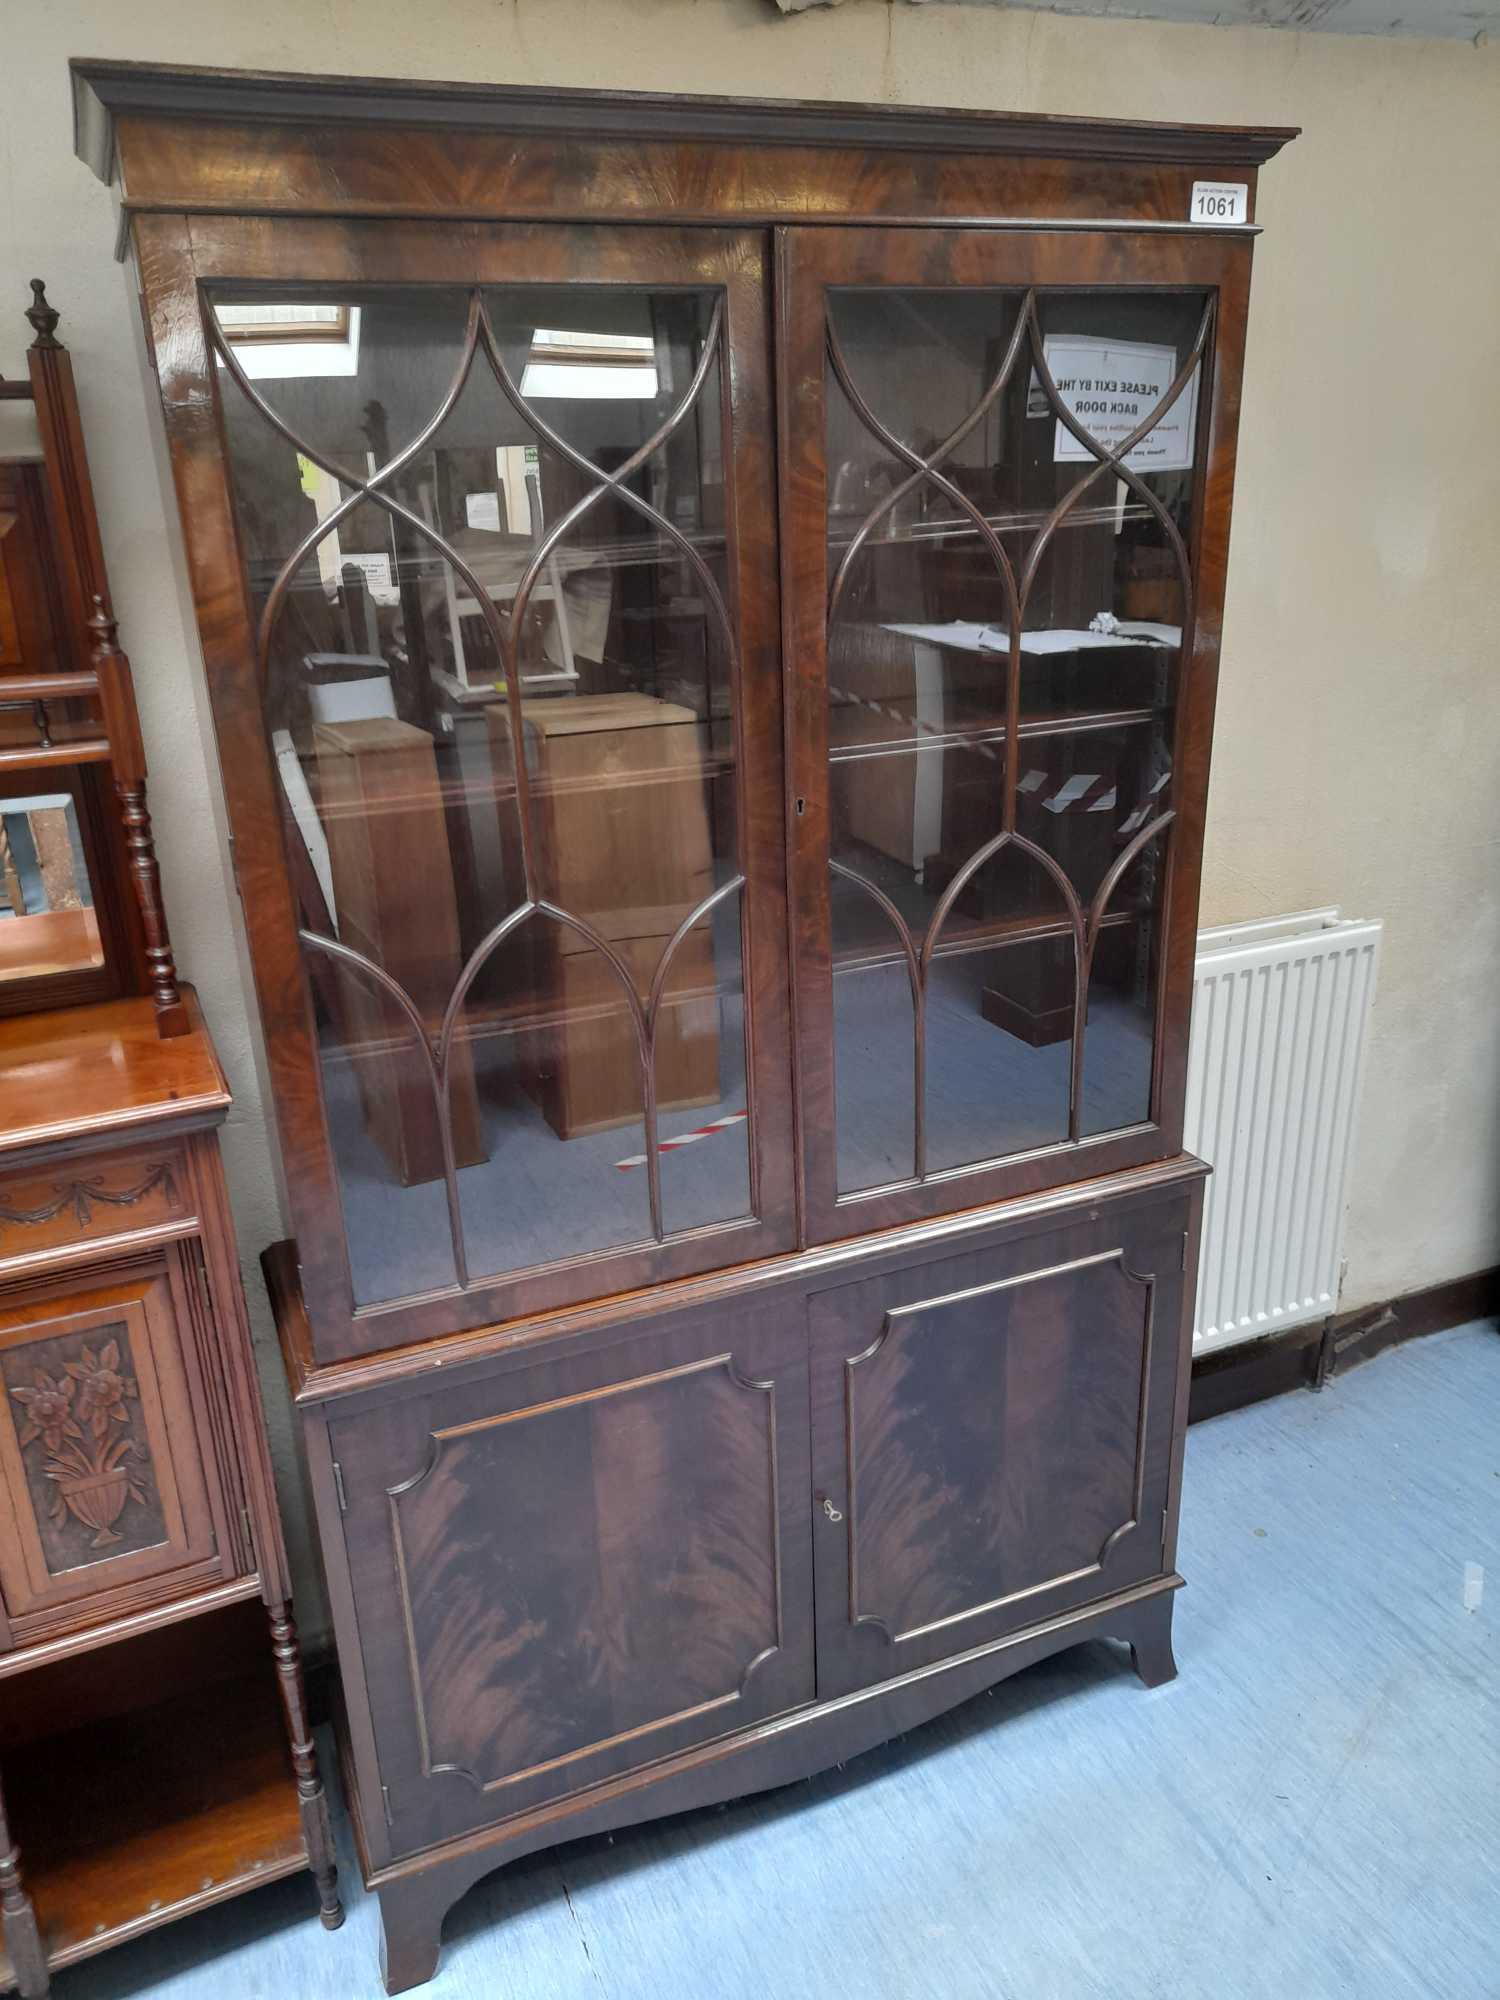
x,y
99,762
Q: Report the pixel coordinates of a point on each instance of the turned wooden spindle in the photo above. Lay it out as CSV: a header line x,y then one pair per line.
x,y
316,1830
128,763
23,1938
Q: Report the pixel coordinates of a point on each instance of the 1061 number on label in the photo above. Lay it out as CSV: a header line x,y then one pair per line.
x,y
1219,201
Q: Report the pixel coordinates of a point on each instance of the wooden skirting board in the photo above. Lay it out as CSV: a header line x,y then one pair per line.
x,y
1305,1357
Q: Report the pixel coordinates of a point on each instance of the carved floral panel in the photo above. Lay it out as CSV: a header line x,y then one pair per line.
x,y
75,1408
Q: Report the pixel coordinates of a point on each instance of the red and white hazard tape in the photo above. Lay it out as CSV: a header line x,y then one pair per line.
x,y
685,1139
1143,812
1086,791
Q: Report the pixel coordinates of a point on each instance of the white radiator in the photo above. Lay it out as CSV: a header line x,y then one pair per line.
x,y
1280,1012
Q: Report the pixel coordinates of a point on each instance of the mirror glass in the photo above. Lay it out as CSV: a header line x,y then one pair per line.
x,y
47,920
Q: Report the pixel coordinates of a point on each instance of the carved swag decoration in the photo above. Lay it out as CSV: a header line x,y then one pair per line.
x,y
79,1419
82,1194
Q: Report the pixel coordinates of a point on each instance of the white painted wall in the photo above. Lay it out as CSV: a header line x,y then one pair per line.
x,y
1358,755
1464,19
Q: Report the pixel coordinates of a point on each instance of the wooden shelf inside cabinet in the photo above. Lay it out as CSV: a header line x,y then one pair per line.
x,y
470,794
965,735
843,526
959,941
126,1824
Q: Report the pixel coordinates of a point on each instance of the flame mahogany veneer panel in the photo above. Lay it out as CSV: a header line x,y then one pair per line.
x,y
586,1563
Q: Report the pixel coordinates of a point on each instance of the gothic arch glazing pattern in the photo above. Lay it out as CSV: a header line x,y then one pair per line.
x,y
547,548
1010,598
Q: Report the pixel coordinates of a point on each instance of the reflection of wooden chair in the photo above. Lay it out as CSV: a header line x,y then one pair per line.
x,y
388,864
12,895
41,864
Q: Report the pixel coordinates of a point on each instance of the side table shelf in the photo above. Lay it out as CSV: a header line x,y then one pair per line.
x,y
124,1823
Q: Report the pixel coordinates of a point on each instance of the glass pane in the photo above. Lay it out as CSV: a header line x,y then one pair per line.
x,y
547,551
980,556
1101,649
999,1016
700,1076
1119,1040
47,921
874,1042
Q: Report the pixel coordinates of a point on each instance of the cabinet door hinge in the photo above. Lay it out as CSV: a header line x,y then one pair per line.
x,y
338,1487
1166,1516
385,1796
1186,1242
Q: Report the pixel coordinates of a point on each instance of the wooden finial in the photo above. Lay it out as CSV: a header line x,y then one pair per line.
x,y
102,626
42,316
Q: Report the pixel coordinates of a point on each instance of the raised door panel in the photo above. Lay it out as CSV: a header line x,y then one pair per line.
x,y
992,1440
107,1499
577,1566
1006,466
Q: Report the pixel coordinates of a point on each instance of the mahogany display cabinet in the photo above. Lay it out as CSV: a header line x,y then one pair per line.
x,y
766,562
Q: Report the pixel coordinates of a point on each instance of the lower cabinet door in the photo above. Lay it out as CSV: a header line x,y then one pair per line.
x,y
567,1566
992,1439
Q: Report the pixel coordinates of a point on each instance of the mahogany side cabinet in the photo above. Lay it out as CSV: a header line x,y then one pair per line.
x,y
788,546
156,1754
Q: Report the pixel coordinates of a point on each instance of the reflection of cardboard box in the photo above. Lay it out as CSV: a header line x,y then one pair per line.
x,y
620,811
582,1065
393,893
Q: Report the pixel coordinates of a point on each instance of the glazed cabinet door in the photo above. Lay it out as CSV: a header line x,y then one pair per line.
x,y
1006,464
499,710
994,1439
569,1567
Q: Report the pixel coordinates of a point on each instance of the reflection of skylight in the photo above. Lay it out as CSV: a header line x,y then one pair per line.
x,y
275,342
294,320
590,365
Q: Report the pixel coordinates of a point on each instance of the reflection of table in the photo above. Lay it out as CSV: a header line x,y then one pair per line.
x,y
47,942
497,563
575,583
621,812
916,693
